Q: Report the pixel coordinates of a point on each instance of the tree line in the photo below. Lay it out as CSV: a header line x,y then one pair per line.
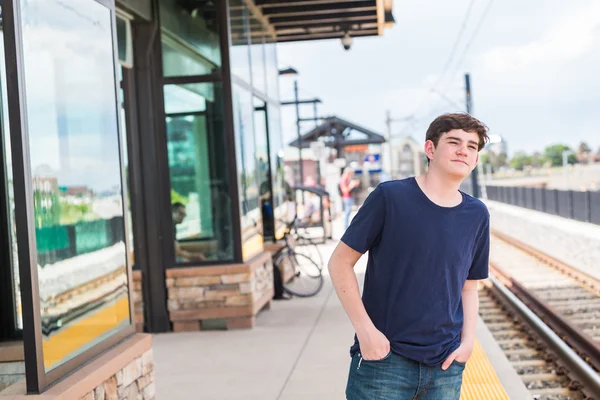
x,y
552,156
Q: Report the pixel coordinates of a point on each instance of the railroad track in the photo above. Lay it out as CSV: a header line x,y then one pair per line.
x,y
566,300
538,368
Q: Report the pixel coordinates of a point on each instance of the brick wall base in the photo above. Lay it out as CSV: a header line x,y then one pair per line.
x,y
122,373
233,293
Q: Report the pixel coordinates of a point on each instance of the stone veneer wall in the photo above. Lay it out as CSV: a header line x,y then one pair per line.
x,y
234,293
138,301
134,382
125,372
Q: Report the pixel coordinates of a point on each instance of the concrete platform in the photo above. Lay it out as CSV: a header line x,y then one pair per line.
x,y
297,350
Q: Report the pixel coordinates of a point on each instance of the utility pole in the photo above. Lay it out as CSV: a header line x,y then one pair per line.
x,y
300,166
296,102
469,101
388,127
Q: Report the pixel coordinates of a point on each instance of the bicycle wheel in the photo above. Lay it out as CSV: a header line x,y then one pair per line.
x,y
310,250
307,280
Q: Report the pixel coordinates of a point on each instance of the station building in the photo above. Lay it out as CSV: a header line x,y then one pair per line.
x,y
141,177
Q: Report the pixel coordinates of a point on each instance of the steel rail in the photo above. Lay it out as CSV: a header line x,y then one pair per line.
x,y
587,379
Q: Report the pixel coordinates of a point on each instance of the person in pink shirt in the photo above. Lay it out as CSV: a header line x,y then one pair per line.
x,y
346,186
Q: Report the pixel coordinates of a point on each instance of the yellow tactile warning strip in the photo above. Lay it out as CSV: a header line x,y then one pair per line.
x,y
480,382
85,331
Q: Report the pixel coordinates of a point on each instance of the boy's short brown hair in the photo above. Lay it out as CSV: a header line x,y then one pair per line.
x,y
447,122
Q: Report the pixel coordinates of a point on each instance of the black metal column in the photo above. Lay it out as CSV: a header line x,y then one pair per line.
x,y
146,153
7,289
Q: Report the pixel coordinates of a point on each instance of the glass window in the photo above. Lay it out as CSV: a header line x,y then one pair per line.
x,y
259,74
263,168
190,39
74,149
281,190
10,229
248,180
200,200
239,15
272,71
127,187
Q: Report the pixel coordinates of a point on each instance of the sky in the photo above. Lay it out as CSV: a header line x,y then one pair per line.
x,y
533,66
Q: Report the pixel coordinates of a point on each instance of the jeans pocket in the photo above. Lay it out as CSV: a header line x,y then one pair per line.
x,y
459,363
361,359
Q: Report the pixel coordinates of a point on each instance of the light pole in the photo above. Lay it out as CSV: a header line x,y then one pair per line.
x,y
294,72
296,102
469,105
300,166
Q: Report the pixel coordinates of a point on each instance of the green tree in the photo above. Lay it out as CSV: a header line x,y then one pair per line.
x,y
520,160
497,160
484,159
554,155
538,159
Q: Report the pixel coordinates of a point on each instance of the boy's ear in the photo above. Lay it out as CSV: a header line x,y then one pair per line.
x,y
429,149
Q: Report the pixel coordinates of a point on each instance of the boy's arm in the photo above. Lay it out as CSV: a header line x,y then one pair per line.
x,y
470,302
373,344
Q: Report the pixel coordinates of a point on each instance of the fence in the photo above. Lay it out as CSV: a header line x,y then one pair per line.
x,y
57,243
582,206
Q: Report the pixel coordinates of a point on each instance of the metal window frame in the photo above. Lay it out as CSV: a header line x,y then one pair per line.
x,y
8,326
37,379
222,77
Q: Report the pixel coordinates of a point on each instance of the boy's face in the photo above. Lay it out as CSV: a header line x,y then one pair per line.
x,y
456,154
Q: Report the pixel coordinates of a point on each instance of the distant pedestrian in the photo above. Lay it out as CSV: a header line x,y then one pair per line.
x,y
428,244
346,185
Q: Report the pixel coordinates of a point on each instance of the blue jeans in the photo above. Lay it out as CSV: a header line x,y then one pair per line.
x,y
399,378
348,203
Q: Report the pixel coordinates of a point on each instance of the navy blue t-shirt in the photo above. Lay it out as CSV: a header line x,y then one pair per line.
x,y
420,255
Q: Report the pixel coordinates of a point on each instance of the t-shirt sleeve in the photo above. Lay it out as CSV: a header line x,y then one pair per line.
x,y
480,266
365,229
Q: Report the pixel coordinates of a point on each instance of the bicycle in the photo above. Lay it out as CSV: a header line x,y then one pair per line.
x,y
305,244
301,275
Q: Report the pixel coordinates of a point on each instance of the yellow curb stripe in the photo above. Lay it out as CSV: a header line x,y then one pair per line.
x,y
480,381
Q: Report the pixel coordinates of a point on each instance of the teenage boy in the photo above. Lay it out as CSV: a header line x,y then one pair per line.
x,y
428,245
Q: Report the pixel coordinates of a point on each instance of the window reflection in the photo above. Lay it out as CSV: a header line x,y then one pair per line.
x,y
190,40
248,177
239,15
200,202
259,77
281,190
74,146
263,167
127,187
272,70
6,158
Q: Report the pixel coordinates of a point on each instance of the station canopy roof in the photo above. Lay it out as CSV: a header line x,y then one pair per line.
x,y
337,132
297,20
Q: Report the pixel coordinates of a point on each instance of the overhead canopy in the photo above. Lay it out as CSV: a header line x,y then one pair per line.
x,y
337,133
296,20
